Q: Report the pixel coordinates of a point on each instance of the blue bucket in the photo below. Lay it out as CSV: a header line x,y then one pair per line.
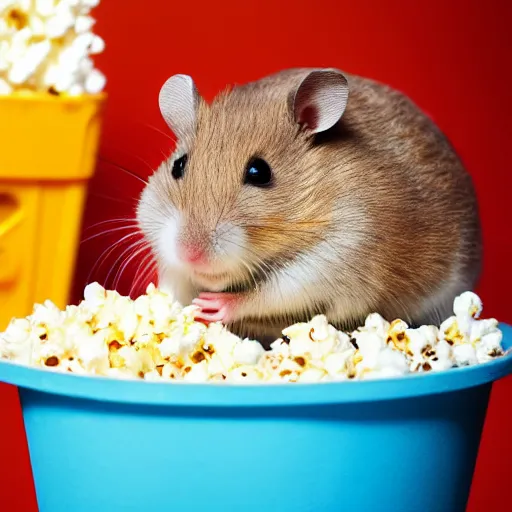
x,y
396,445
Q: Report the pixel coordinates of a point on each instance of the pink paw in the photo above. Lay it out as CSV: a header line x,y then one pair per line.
x,y
216,307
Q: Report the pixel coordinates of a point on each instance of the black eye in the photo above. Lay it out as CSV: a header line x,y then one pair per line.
x,y
258,173
178,167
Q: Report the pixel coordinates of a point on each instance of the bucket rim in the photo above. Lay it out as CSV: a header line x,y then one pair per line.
x,y
258,395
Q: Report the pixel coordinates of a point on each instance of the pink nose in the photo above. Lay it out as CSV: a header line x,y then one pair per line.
x,y
192,254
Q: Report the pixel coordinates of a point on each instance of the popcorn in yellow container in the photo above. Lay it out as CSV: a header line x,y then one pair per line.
x,y
50,111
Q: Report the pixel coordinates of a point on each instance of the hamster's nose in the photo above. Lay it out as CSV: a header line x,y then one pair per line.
x,y
192,253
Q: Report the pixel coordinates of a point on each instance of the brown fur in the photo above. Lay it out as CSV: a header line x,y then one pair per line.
x,y
383,189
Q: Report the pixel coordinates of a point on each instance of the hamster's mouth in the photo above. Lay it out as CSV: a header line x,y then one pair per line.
x,y
224,282
210,276
228,282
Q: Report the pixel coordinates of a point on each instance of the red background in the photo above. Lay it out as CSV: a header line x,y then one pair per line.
x,y
451,57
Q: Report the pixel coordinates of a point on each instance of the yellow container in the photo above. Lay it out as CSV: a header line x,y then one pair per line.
x,y
48,148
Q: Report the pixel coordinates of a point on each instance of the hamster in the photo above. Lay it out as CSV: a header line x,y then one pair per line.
x,y
310,191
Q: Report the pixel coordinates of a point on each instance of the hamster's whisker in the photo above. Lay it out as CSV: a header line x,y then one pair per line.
x,y
258,261
147,264
130,221
124,169
109,231
107,252
167,135
128,202
123,260
144,259
120,258
145,162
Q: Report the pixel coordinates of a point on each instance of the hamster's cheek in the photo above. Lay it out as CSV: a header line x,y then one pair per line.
x,y
230,243
167,242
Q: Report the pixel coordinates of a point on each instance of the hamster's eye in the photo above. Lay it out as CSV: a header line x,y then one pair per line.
x,y
258,173
178,167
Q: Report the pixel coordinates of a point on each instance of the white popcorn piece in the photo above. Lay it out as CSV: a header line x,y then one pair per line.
x,y
397,335
84,24
370,344
489,347
170,347
454,332
464,355
26,65
244,374
482,328
311,375
419,339
95,82
47,314
375,322
314,340
95,295
247,352
422,349
198,373
97,45
152,376
441,360
335,364
44,7
387,363
467,304
94,354
17,342
280,347
61,21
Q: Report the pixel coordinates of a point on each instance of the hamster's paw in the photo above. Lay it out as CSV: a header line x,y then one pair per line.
x,y
217,307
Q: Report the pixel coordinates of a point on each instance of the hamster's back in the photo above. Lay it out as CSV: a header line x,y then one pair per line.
x,y
422,244
427,234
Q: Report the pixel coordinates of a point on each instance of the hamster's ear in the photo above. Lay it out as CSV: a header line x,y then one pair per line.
x,y
320,100
178,101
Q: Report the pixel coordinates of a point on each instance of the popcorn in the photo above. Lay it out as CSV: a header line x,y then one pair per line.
x,y
388,363
374,322
397,335
464,355
473,340
374,358
93,354
156,339
245,374
312,375
489,347
315,339
469,304
440,359
94,296
425,351
45,46
196,373
17,342
247,352
337,364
